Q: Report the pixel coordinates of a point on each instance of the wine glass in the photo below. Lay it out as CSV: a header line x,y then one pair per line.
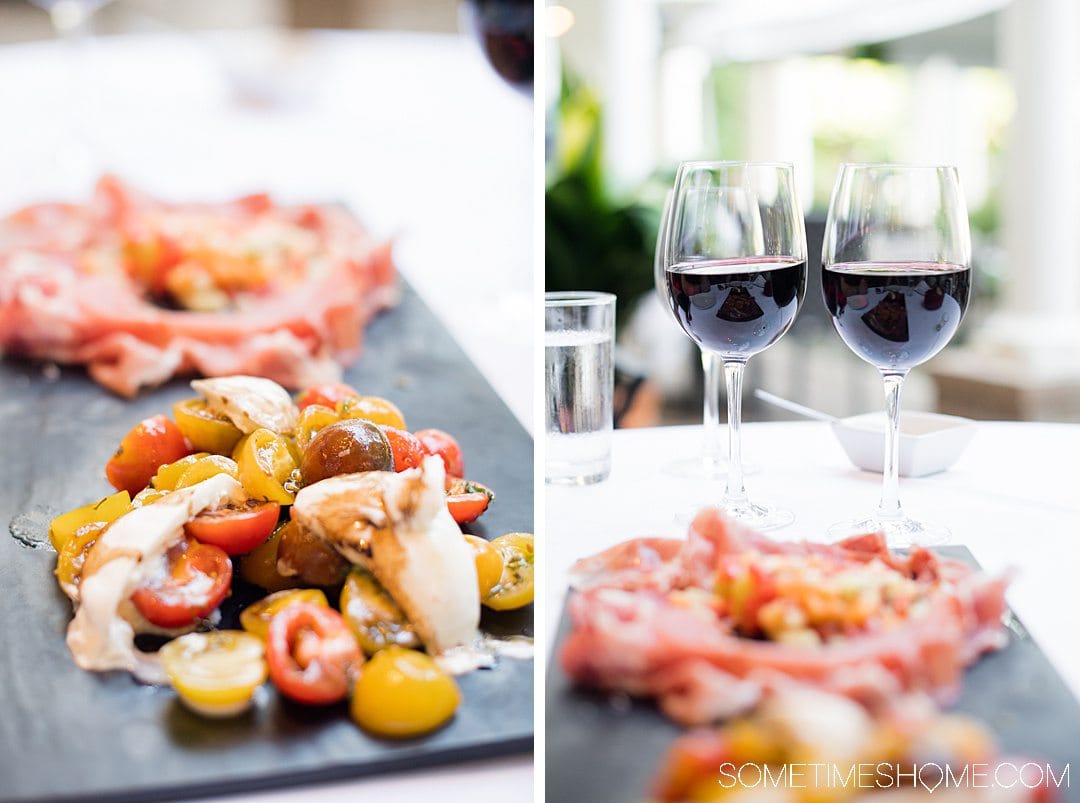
x,y
896,276
504,30
711,463
735,273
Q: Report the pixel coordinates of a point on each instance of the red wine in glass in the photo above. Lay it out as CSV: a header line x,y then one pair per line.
x,y
736,307
504,29
896,315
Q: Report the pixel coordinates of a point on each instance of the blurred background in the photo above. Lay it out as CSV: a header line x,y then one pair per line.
x,y
635,86
416,114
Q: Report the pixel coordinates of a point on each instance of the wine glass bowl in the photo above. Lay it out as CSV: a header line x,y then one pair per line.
x,y
896,280
735,275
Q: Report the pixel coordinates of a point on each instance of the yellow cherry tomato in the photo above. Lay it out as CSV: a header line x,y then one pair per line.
x,y
313,418
147,496
205,430
206,467
515,586
489,563
105,510
215,673
259,566
69,563
255,618
373,409
265,464
402,693
169,474
374,617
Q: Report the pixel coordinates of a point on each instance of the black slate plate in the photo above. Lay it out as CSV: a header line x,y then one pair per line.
x,y
607,750
68,733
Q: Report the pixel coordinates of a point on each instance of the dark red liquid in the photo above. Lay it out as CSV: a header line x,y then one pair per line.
x,y
505,31
896,315
737,307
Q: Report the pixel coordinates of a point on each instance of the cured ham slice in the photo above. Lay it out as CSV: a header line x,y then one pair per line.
x,y
141,291
709,625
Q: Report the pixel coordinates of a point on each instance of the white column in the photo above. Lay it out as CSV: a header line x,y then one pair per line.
x,y
1039,324
779,125
615,47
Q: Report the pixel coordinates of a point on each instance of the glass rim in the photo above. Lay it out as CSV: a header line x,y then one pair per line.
x,y
696,163
898,166
577,298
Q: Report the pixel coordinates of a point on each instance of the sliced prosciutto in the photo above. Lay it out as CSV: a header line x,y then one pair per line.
x,y
709,625
141,291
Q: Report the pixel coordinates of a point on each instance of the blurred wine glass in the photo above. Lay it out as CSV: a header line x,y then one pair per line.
x,y
504,31
711,463
72,22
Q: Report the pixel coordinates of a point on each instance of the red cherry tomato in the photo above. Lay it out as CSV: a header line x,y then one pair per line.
x,y
327,394
445,446
408,450
467,500
235,529
149,445
193,580
312,654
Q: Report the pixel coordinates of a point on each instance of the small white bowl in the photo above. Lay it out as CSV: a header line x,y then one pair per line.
x,y
929,442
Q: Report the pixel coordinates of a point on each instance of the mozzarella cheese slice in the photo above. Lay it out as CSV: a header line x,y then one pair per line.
x,y
397,526
100,637
250,402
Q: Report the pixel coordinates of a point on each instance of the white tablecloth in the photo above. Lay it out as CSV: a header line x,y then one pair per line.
x,y
1013,499
414,132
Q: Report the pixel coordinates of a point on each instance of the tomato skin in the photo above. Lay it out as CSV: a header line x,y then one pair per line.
x,y
150,444
312,654
467,500
443,444
197,580
516,585
407,449
327,394
235,530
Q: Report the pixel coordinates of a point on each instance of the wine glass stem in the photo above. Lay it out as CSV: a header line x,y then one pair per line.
x,y
712,366
889,506
736,488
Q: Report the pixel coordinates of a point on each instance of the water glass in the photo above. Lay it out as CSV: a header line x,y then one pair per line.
x,y
579,335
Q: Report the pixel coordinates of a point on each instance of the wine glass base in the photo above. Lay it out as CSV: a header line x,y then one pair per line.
x,y
899,531
758,517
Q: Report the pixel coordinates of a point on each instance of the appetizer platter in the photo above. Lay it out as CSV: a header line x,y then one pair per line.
x,y
677,659
276,588
140,290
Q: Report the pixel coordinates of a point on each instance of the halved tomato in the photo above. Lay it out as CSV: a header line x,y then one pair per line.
x,y
443,444
149,445
312,654
327,394
235,529
467,500
192,580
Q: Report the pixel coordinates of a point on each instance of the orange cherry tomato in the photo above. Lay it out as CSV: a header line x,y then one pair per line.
x,y
327,394
312,654
467,500
237,530
193,580
149,445
443,444
407,448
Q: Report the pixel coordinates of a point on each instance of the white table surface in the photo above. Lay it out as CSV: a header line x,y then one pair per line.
x,y
1013,499
413,131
